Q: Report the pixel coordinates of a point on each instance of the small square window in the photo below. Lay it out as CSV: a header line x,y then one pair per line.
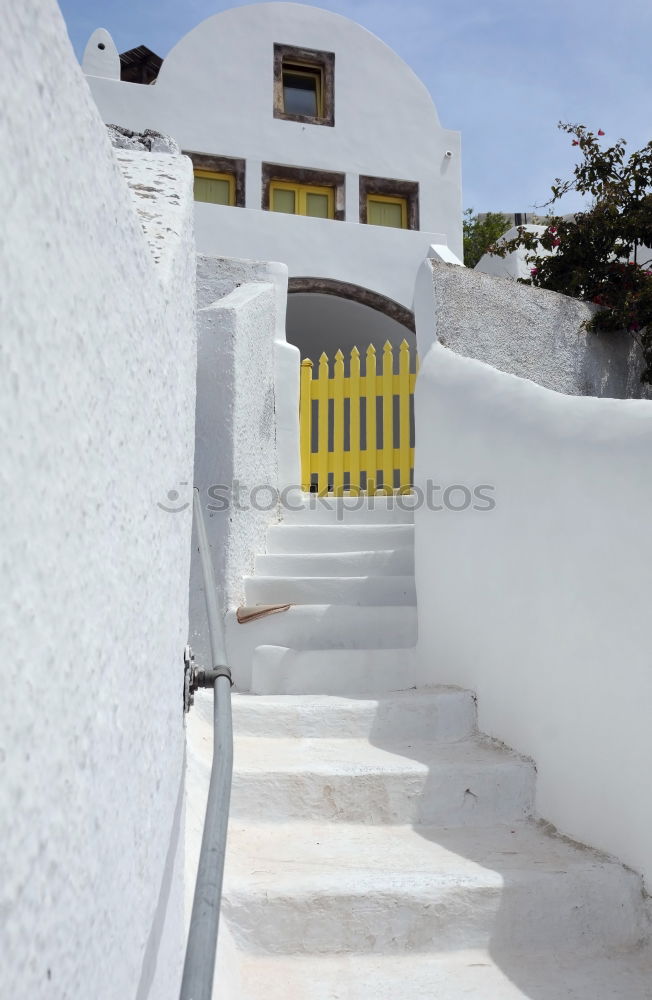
x,y
304,85
302,90
384,210
390,203
218,189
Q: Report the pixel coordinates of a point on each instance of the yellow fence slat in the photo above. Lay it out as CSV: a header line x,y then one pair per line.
x,y
388,418
371,465
333,462
305,423
338,424
355,444
322,425
404,414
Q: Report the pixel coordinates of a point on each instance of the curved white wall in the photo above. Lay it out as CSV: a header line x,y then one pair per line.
x,y
96,416
214,94
542,604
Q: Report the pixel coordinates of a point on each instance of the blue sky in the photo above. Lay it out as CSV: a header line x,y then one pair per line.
x,y
502,72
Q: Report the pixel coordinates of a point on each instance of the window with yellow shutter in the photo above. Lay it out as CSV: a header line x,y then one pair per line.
x,y
216,188
302,199
390,203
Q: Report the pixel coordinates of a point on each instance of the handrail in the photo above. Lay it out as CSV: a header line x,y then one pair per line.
x,y
199,965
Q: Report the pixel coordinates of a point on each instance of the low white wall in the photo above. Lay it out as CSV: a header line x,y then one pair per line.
x,y
96,416
524,331
541,605
247,421
379,258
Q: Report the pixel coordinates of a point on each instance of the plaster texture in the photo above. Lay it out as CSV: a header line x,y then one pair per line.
x,y
524,331
514,264
377,839
96,416
541,605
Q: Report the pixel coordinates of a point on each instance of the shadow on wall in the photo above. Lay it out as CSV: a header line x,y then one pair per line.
x,y
318,322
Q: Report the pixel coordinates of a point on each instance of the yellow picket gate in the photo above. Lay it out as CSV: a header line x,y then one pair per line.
x,y
355,448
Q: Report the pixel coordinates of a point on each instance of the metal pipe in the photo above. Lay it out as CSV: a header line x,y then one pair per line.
x,y
199,966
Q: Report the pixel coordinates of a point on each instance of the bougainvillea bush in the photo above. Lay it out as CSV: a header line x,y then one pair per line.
x,y
600,255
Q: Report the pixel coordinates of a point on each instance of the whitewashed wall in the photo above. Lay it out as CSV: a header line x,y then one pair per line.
x,y
524,331
247,427
542,604
214,94
96,416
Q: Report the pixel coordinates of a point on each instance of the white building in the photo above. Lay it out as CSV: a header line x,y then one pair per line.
x,y
290,111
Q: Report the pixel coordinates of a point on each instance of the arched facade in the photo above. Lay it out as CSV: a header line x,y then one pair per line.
x,y
384,174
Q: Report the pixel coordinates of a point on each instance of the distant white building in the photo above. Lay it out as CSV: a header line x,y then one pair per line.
x,y
313,144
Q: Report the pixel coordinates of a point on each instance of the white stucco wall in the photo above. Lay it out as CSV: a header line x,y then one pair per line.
x,y
96,417
513,265
247,421
529,332
214,94
542,604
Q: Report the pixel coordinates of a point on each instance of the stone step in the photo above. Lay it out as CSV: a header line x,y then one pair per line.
x,y
310,538
338,888
352,510
353,781
465,974
350,673
382,562
443,714
318,626
355,591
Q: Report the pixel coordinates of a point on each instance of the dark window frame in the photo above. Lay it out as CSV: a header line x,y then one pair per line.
x,y
222,165
305,175
309,58
391,188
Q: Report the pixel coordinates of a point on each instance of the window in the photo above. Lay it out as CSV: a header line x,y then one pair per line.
x,y
302,199
385,210
304,85
219,180
303,191
302,90
219,189
392,203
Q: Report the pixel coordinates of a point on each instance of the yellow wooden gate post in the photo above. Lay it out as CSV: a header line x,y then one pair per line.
x,y
388,418
305,424
404,463
370,418
338,424
322,426
354,422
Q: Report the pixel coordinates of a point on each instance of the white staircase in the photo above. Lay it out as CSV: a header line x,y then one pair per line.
x,y
379,846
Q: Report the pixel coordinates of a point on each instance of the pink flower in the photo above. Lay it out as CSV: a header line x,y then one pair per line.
x,y
600,132
552,229
556,242
576,142
534,270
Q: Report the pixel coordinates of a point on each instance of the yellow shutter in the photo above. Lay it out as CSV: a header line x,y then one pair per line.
x,y
383,210
218,189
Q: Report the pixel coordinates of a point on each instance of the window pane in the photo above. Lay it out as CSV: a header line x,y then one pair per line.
x,y
283,201
300,94
317,205
212,189
384,213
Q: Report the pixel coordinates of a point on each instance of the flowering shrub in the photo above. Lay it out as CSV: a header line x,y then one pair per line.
x,y
600,255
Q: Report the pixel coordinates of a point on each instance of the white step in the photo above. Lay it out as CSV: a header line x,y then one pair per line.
x,y
444,714
318,626
351,590
387,562
338,538
353,781
349,673
352,510
465,974
322,888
